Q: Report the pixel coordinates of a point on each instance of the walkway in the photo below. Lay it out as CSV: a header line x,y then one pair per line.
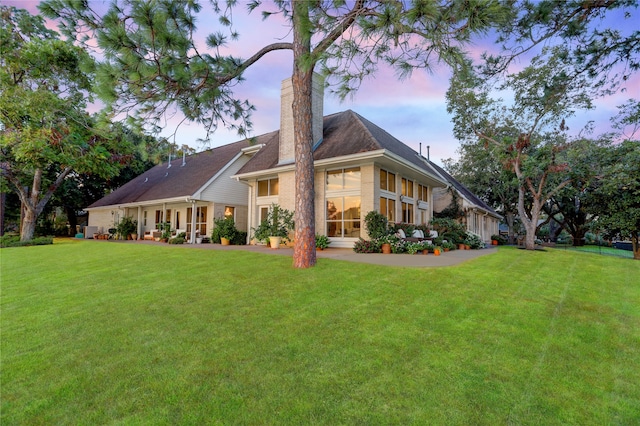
x,y
417,260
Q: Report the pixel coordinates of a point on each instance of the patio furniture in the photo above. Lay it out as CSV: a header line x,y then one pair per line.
x,y
152,234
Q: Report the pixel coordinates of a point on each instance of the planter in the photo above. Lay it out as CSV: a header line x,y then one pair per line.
x,y
446,249
467,247
275,242
494,242
460,246
224,241
386,248
436,252
198,240
134,237
425,251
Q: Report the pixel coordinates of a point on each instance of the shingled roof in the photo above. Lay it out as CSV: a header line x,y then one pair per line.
x,y
465,192
345,133
162,182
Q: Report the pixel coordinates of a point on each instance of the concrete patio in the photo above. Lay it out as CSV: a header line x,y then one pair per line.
x,y
417,260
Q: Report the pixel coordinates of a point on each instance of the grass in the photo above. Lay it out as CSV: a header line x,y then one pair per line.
x,y
101,333
603,250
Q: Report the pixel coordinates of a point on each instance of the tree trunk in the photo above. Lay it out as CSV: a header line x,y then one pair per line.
x,y
530,224
635,245
304,250
28,227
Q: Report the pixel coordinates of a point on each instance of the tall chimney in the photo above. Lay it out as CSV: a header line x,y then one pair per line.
x,y
287,151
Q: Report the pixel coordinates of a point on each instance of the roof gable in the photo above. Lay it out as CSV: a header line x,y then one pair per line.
x,y
344,133
464,191
166,181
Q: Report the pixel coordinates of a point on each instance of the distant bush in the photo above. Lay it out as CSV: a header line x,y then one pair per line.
x,y
176,240
14,241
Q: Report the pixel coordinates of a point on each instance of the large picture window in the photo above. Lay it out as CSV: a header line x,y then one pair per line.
x,y
342,203
343,217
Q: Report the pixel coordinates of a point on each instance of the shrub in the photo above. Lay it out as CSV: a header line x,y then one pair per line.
x,y
365,246
176,240
224,228
450,230
377,224
322,241
473,241
500,239
14,241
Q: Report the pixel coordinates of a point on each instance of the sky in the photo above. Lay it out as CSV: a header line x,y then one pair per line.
x,y
413,110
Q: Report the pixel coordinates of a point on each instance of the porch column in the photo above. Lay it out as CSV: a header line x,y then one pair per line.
x,y
193,222
139,231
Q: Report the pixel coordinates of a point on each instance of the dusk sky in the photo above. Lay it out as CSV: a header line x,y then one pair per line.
x,y
412,110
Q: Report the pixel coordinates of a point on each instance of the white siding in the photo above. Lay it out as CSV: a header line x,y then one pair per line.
x,y
228,191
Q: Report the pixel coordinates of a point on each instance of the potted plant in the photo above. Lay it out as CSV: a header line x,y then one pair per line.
x,y
127,227
386,241
165,229
226,230
437,250
447,246
322,242
279,223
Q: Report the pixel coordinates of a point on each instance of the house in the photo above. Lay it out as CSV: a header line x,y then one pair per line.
x,y
187,193
479,218
359,167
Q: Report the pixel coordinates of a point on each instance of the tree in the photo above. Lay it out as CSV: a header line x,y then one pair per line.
x,y
616,198
479,169
529,130
45,133
152,60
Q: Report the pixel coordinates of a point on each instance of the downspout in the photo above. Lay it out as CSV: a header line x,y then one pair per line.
x,y
139,230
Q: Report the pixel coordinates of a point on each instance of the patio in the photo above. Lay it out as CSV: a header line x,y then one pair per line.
x,y
416,260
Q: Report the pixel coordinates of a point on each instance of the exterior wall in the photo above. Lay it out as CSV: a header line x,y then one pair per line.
x,y
441,199
100,220
227,190
286,190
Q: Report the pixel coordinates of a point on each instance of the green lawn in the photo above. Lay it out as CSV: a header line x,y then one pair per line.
x,y
106,333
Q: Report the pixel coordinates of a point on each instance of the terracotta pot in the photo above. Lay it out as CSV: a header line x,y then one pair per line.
x,y
467,247
386,249
224,241
425,251
460,246
446,249
494,242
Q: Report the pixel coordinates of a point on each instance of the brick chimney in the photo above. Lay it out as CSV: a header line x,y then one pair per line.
x,y
287,153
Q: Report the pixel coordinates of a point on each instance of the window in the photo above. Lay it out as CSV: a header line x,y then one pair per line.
x,y
168,217
229,212
177,219
144,218
342,203
388,208
387,181
343,179
343,217
264,213
423,193
407,188
407,212
158,217
267,187
201,220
